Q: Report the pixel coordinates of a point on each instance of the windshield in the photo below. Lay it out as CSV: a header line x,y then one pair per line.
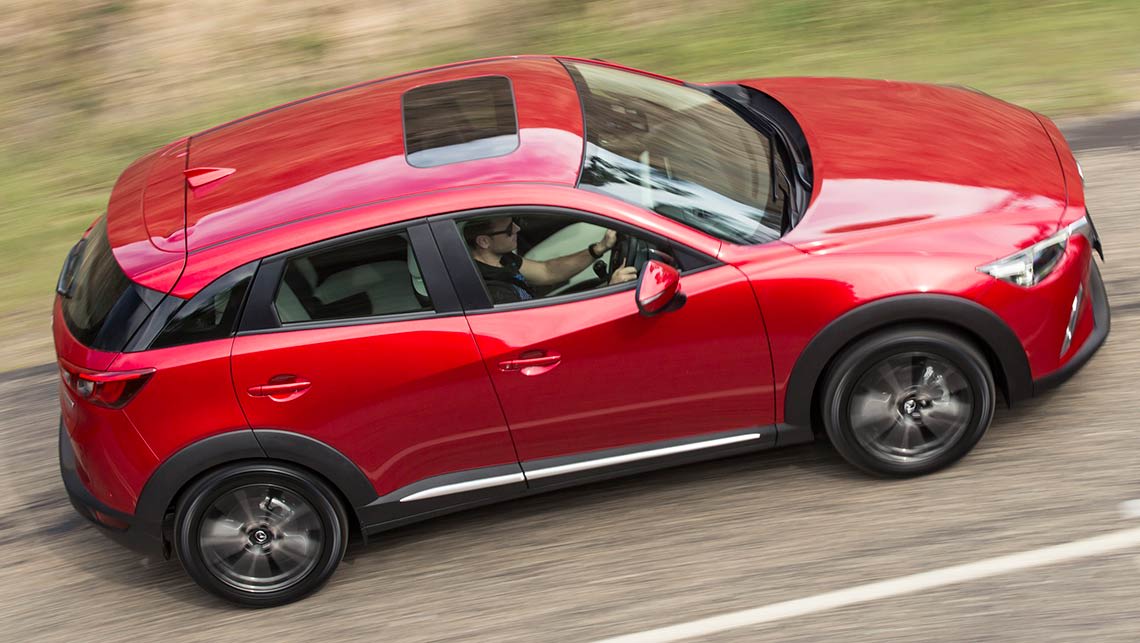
x,y
677,151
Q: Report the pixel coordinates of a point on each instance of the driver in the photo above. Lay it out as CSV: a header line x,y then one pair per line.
x,y
511,278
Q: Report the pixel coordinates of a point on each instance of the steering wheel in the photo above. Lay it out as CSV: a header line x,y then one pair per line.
x,y
629,250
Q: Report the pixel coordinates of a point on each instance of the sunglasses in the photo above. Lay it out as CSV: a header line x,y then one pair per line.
x,y
509,230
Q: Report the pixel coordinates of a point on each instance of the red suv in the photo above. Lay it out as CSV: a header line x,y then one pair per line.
x,y
475,282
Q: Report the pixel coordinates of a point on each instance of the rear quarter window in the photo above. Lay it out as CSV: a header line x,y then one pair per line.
x,y
211,314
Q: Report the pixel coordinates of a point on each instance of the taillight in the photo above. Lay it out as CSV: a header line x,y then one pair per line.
x,y
110,389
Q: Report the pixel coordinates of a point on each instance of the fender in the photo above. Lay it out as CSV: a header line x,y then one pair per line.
x,y
173,474
995,337
179,469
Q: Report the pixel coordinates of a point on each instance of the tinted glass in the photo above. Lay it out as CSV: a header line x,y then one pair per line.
x,y
211,314
677,151
459,121
101,306
377,276
556,251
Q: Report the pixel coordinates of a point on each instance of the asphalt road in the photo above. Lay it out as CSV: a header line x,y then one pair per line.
x,y
665,548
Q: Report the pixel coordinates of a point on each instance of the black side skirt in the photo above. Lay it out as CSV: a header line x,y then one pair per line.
x,y
477,487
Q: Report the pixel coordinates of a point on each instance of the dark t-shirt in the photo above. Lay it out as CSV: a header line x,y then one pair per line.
x,y
505,283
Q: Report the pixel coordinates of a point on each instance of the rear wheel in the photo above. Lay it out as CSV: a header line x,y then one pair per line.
x,y
260,534
908,401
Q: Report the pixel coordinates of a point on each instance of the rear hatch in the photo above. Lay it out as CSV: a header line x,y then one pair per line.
x,y
126,263
99,306
113,281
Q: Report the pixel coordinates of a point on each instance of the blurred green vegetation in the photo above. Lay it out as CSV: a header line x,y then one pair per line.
x,y
92,84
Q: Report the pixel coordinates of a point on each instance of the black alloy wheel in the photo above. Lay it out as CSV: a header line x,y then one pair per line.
x,y
908,401
260,535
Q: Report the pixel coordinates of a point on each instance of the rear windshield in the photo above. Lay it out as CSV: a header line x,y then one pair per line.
x,y
101,306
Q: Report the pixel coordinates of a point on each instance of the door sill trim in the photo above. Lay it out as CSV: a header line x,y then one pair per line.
x,y
460,487
558,470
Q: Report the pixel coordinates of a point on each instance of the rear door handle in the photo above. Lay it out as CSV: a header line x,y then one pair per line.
x,y
532,365
284,388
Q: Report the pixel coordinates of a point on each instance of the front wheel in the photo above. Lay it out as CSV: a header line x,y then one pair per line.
x,y
908,401
260,534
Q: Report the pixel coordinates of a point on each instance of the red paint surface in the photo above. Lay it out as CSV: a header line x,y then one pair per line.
x,y
915,186
624,378
403,400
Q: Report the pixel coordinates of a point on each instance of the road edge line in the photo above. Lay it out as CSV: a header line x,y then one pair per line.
x,y
1085,548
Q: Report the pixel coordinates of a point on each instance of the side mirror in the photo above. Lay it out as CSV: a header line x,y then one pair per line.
x,y
663,257
659,289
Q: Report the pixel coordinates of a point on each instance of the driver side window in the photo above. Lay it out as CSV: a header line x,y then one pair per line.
x,y
523,257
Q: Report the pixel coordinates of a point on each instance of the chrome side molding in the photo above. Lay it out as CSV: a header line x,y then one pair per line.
x,y
460,487
574,467
548,472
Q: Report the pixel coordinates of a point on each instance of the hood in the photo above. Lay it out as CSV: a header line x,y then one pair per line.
x,y
895,154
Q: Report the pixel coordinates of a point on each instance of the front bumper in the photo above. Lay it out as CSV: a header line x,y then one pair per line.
x,y
1101,323
120,527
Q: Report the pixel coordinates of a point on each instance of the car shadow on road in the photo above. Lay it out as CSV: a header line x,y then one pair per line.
x,y
768,469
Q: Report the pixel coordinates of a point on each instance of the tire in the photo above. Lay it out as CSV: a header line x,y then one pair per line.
x,y
908,401
260,534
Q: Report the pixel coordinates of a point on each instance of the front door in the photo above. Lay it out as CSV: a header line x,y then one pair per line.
x,y
585,372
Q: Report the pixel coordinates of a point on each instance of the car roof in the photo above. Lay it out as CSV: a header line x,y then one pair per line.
x,y
333,152
346,148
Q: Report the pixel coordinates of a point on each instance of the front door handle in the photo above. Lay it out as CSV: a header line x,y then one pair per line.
x,y
536,365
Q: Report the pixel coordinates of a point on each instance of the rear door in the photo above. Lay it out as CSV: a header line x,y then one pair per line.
x,y
360,343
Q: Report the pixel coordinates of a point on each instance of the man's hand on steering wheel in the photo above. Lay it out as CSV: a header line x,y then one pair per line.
x,y
617,272
622,274
609,241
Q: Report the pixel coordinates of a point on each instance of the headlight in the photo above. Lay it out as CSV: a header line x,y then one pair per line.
x,y
1028,267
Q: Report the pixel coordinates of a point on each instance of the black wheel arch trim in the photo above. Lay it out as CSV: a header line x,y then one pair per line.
x,y
175,472
323,459
163,486
998,341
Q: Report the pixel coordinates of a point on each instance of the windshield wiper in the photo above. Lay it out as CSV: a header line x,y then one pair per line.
x,y
65,285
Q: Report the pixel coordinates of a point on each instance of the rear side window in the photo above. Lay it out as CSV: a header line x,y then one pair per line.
x,y
458,121
101,306
211,314
369,278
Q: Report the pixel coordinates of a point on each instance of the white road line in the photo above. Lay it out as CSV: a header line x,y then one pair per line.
x,y
1086,548
1130,509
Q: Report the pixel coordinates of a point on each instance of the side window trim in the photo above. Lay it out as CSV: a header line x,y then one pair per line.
x,y
260,314
469,284
465,278
169,309
433,269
